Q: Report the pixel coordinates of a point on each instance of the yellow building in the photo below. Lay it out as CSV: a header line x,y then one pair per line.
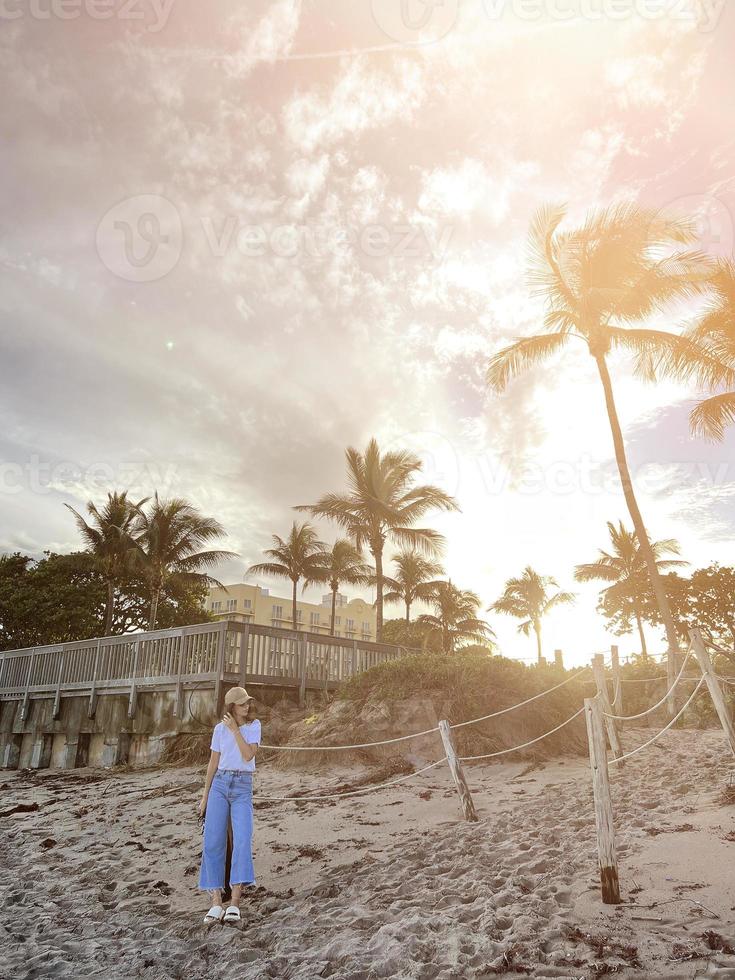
x,y
354,619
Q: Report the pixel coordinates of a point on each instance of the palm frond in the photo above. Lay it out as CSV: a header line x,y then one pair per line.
x,y
524,353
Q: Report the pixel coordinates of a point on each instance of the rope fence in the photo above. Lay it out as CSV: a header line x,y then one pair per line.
x,y
658,704
428,731
351,792
663,730
515,748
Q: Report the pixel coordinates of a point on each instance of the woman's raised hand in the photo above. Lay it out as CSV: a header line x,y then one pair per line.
x,y
202,808
230,722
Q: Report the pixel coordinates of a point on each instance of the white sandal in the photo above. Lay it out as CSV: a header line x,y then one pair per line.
x,y
215,914
232,914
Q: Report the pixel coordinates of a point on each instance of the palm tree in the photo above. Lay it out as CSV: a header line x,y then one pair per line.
x,y
626,570
716,330
413,580
527,598
384,503
455,617
109,537
297,557
624,264
342,563
167,542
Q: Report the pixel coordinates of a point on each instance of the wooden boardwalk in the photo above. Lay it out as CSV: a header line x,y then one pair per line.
x,y
208,655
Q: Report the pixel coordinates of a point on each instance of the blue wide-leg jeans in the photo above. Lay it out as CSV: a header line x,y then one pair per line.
x,y
230,798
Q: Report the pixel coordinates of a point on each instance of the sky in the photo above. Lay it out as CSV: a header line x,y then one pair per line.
x,y
237,238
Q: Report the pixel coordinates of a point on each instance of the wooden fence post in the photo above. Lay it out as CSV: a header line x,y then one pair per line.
x,y
92,707
671,671
57,696
244,650
24,703
598,669
303,658
133,693
718,698
617,681
455,766
604,824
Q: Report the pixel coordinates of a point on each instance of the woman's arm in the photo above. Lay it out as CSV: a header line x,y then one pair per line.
x,y
247,749
211,770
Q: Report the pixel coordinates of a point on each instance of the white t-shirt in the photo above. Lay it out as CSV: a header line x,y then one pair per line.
x,y
223,741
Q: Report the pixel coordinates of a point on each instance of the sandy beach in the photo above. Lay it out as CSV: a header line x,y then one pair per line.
x,y
100,875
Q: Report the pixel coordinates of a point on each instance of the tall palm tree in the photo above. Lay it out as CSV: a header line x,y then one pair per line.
x,y
527,598
413,579
626,570
295,558
716,330
624,264
455,617
384,503
342,563
168,538
109,538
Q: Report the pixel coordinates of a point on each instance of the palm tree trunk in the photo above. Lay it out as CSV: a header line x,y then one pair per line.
x,y
334,608
377,553
408,612
537,631
155,595
639,624
109,606
294,621
640,528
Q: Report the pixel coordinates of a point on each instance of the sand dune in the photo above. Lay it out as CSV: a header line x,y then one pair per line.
x,y
101,879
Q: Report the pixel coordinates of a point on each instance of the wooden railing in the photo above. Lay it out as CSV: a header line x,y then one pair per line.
x,y
208,655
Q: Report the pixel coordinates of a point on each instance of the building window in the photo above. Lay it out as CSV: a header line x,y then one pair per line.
x,y
216,606
314,618
299,615
247,603
277,613
350,625
231,605
338,621
366,628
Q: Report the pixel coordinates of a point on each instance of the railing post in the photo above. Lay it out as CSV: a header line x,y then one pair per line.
x,y
355,654
92,707
24,703
179,668
617,681
220,665
303,657
598,669
603,803
57,696
244,650
718,698
133,693
455,766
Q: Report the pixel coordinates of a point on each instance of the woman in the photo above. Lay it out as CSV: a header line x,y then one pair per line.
x,y
228,795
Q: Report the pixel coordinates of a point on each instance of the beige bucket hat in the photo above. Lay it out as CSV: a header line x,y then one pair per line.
x,y
237,695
